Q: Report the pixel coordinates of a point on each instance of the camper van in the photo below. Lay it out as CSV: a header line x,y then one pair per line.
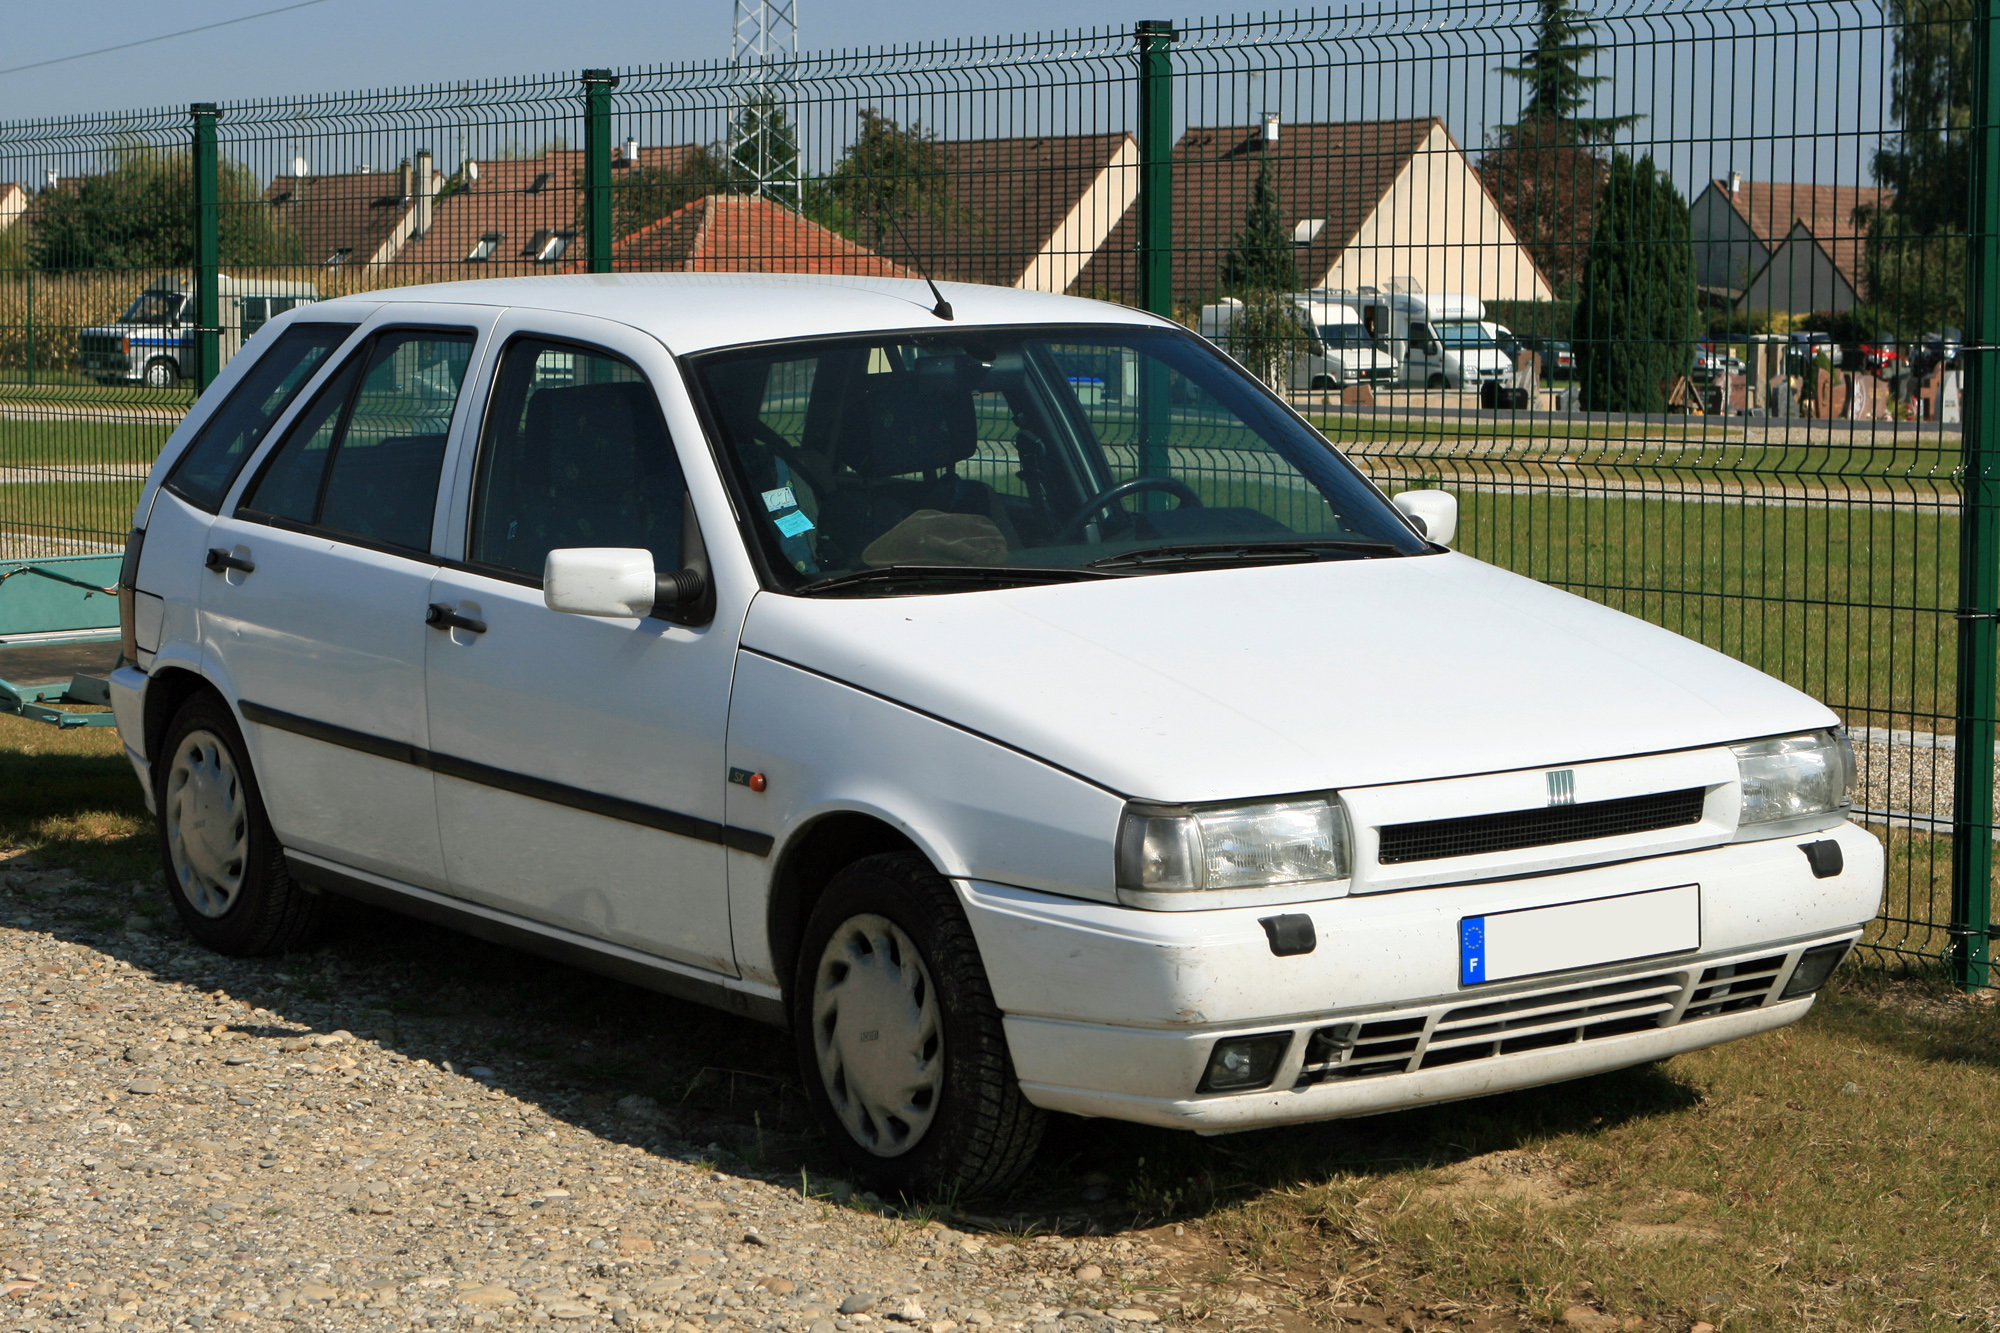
x,y
1441,342
155,342
1343,353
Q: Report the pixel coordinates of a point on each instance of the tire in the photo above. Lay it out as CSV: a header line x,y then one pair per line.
x,y
162,374
1323,383
1435,382
224,868
945,1117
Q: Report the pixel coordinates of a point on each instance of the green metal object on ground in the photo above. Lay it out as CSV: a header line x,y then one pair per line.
x,y
597,86
58,630
207,246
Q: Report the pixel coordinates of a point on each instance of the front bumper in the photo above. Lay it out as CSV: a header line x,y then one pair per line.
x,y
1114,1012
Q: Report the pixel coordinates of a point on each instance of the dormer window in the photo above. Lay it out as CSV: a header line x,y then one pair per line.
x,y
538,184
487,244
548,246
339,256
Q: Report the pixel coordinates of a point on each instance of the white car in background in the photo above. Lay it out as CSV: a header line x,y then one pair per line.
x,y
1013,698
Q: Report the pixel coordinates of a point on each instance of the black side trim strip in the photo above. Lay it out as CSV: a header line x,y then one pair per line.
x,y
521,784
526,938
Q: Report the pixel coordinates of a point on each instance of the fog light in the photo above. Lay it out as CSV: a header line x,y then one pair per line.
x,y
1815,966
1238,1064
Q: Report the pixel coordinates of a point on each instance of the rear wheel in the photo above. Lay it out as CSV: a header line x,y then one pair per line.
x,y
225,870
899,1039
162,374
1435,382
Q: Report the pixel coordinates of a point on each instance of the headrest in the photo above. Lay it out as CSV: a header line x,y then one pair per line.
x,y
906,423
601,424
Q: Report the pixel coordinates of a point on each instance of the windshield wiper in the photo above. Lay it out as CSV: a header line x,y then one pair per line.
x,y
949,578
1231,553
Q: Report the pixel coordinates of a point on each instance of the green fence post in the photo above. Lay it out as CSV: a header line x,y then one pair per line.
x,y
1156,230
597,86
31,325
1156,165
1978,533
207,247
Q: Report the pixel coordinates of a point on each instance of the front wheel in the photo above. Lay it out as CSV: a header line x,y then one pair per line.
x,y
162,374
899,1039
225,870
1435,382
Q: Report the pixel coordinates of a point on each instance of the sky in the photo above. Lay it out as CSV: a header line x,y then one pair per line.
x,y
343,44
1803,101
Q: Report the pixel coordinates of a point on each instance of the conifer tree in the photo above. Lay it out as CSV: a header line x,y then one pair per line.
x,y
1635,321
1260,259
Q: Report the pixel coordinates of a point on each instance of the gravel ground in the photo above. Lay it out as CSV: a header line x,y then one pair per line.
x,y
410,1129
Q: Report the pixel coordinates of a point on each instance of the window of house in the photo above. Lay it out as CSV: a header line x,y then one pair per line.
x,y
549,246
487,244
339,256
538,184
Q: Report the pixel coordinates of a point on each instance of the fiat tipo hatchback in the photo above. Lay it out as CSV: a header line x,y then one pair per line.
x,y
1012,698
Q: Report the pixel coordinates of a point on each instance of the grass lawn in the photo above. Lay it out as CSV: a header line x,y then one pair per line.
x,y
79,443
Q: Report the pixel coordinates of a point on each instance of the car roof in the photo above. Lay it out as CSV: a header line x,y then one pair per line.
x,y
689,312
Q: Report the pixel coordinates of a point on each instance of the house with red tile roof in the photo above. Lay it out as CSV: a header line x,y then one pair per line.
x,y
1774,246
733,233
1027,212
357,218
518,215
1369,203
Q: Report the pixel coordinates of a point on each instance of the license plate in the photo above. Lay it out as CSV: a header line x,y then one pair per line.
x,y
1568,936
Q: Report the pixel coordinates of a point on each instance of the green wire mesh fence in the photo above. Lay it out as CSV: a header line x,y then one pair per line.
x,y
1684,302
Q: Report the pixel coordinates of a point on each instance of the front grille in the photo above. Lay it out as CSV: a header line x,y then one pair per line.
x,y
1371,1047
1512,830
101,344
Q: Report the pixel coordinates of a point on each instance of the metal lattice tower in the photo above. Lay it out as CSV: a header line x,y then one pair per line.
x,y
763,143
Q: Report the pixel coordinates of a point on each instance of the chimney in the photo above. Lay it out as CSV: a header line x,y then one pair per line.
x,y
1270,127
427,188
1735,182
631,152
404,178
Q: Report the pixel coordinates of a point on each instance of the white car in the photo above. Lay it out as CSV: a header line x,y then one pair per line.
x,y
799,647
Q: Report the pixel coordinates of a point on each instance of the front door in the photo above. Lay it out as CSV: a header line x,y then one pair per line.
x,y
313,613
579,760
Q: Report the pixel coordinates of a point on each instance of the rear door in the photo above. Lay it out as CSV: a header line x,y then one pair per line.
x,y
313,611
579,759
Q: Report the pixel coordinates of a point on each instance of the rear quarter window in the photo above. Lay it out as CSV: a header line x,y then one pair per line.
x,y
208,467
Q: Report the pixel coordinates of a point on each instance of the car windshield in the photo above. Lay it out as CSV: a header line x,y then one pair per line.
x,y
1464,334
997,456
154,308
1346,335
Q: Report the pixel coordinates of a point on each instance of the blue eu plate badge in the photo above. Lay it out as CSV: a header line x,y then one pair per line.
x,y
1471,950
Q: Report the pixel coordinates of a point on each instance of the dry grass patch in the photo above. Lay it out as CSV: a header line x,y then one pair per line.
x,y
1834,1175
70,799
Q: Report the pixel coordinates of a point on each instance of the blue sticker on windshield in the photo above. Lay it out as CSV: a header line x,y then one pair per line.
x,y
794,524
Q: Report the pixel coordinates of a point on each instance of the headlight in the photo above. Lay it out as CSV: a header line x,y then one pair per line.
x,y
1793,783
1263,852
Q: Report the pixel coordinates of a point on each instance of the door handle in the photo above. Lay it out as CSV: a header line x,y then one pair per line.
x,y
441,616
219,560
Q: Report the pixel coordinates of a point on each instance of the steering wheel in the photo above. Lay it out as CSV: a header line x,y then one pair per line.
x,y
1180,490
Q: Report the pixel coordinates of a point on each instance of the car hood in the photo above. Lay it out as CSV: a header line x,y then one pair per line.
x,y
1223,684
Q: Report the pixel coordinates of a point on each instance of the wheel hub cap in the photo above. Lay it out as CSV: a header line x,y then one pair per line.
x,y
208,826
878,1035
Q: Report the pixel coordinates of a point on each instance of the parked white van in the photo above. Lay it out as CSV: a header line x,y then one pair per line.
x,y
804,647
1342,351
1440,342
156,340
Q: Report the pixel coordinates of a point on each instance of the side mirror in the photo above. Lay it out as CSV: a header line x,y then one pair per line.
x,y
616,581
1433,348
1435,513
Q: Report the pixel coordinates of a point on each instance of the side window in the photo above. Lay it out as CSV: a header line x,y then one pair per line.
x,y
254,314
209,466
364,459
576,453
